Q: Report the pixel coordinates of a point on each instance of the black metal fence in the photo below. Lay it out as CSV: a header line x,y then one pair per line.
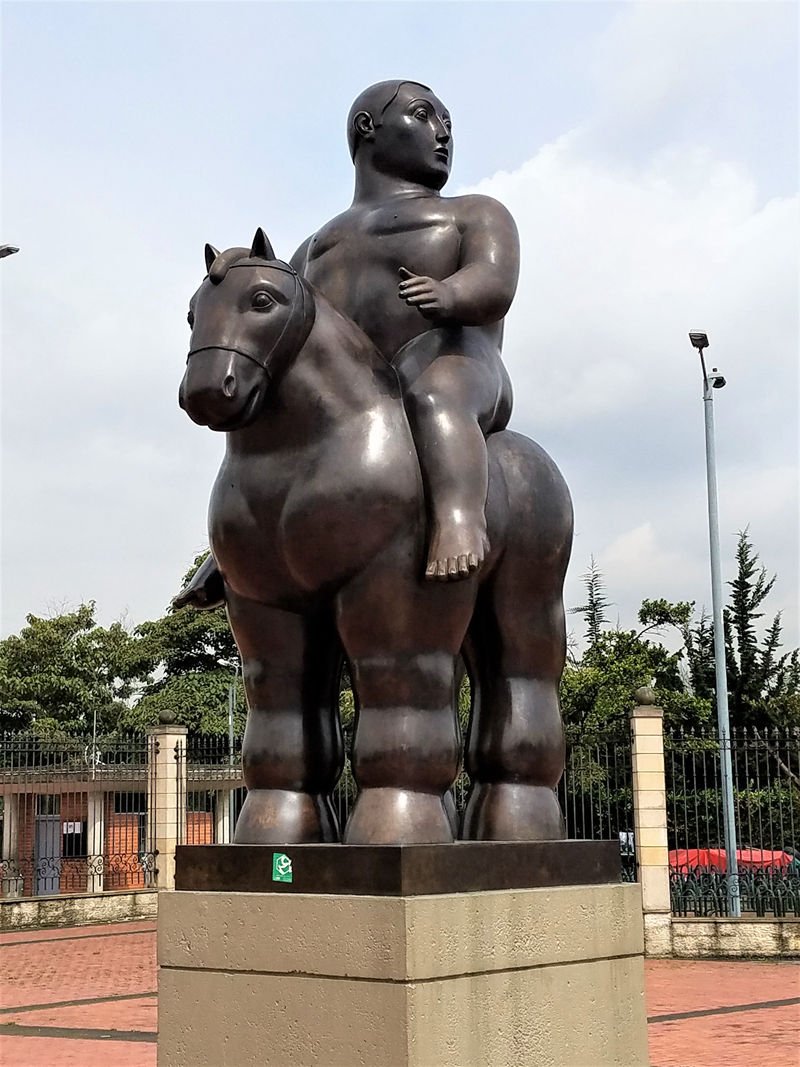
x,y
74,815
595,793
78,815
766,793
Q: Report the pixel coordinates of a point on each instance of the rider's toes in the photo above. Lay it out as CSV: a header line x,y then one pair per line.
x,y
463,565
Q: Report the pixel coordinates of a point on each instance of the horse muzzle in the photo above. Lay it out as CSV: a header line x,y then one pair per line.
x,y
221,393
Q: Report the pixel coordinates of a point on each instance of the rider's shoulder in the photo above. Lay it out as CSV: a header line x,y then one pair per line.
x,y
474,207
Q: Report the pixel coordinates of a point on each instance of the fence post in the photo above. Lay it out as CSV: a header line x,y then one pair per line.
x,y
95,840
166,797
650,821
12,885
223,808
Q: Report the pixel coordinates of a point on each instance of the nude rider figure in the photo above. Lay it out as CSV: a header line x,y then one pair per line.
x,y
429,279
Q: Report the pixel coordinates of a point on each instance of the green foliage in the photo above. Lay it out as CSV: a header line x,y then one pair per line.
x,y
597,689
597,693
763,686
58,673
594,610
187,661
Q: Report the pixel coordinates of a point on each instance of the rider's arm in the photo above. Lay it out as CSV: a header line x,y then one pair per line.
x,y
482,289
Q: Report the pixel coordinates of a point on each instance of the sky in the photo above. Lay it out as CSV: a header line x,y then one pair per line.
x,y
648,151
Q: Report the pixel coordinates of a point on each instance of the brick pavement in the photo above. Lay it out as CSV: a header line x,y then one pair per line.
x,y
86,998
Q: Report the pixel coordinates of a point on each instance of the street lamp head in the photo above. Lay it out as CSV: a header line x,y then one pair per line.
x,y
7,250
698,339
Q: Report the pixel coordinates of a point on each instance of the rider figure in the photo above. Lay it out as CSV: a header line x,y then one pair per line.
x,y
429,279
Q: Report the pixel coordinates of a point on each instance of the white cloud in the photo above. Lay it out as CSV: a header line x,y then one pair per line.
x,y
649,220
619,263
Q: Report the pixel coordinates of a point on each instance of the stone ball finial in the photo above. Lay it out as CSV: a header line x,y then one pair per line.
x,y
645,696
166,717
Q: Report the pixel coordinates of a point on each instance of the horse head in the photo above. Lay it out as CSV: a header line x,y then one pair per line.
x,y
249,318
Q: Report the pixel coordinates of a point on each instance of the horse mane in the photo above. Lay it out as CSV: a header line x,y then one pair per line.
x,y
224,260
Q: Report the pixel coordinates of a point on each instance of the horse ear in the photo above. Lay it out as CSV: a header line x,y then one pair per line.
x,y
261,249
211,255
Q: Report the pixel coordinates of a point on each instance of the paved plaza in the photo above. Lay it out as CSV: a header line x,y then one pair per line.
x,y
87,998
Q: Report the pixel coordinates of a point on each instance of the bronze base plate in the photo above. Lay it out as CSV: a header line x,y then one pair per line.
x,y
396,870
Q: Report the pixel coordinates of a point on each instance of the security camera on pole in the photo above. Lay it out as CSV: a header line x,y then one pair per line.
x,y
712,381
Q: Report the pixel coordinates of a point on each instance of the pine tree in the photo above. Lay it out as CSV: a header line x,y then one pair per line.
x,y
594,610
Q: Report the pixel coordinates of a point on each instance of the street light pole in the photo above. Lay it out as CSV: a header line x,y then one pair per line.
x,y
710,382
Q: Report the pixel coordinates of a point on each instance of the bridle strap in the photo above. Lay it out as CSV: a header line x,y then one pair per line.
x,y
263,364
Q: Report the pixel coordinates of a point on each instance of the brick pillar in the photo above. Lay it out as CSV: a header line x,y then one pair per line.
x,y
650,822
12,881
95,840
166,782
224,810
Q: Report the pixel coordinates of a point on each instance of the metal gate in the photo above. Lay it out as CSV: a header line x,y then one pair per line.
x,y
47,844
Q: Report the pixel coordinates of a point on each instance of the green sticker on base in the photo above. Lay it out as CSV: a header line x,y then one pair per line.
x,y
281,867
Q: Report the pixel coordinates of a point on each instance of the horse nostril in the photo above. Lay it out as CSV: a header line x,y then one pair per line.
x,y
229,386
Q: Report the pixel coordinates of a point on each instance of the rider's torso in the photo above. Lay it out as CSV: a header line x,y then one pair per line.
x,y
355,261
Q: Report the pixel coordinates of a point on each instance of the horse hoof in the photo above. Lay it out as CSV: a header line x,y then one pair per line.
x,y
284,817
398,817
506,811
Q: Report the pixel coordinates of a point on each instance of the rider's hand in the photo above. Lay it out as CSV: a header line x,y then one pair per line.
x,y
431,298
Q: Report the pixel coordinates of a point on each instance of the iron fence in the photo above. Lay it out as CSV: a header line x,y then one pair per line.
x,y
74,814
213,758
766,791
26,757
595,792
79,815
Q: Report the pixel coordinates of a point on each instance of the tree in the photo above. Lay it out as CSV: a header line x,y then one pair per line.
x,y
597,688
594,610
763,686
59,673
186,660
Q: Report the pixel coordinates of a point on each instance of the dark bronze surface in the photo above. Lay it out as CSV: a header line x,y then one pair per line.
x,y
364,401
399,870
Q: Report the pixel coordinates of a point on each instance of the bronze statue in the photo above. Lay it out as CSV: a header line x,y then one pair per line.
x,y
355,387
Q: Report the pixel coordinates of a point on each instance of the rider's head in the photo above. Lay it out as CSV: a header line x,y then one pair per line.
x,y
401,129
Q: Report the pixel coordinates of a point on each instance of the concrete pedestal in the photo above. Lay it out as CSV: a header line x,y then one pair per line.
x,y
544,976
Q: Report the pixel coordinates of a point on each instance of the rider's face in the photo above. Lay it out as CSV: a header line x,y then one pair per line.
x,y
413,138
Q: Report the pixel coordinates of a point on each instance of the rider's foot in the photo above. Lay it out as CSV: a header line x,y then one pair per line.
x,y
457,549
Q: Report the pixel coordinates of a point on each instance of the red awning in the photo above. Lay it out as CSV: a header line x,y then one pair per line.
x,y
687,859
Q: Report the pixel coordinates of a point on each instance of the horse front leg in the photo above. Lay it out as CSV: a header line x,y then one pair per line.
x,y
292,752
402,637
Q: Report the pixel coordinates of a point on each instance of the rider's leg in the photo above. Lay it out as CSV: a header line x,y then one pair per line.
x,y
292,751
450,407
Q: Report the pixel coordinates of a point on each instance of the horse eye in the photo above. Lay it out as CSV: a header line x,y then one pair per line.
x,y
190,318
261,299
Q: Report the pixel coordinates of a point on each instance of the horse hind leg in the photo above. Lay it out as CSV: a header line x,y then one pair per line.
x,y
517,647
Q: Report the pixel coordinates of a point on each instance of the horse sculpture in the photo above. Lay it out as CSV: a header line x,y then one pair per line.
x,y
317,523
